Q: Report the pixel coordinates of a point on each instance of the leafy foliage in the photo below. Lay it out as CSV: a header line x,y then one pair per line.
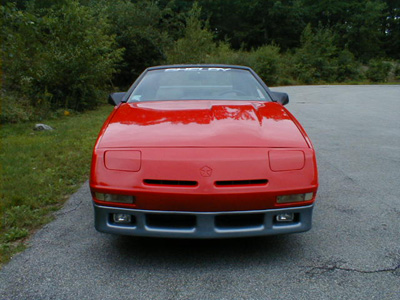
x,y
141,30
320,60
391,39
367,28
378,70
316,58
65,54
266,61
197,43
60,56
348,68
397,71
15,109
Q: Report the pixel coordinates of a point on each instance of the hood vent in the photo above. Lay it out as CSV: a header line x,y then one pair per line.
x,y
227,183
170,182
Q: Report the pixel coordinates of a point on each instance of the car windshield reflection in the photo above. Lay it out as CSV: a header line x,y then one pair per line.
x,y
198,84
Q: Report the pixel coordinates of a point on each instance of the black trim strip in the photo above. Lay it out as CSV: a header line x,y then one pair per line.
x,y
170,182
224,183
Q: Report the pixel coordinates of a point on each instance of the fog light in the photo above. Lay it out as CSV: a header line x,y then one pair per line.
x,y
122,218
115,198
294,198
286,217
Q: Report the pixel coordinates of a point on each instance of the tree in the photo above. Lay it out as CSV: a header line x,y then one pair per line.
x,y
251,24
142,30
357,23
60,56
392,29
196,45
316,58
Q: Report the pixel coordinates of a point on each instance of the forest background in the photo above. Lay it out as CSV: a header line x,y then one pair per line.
x,y
67,54
60,58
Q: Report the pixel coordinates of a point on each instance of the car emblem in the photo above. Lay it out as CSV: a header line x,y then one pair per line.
x,y
206,171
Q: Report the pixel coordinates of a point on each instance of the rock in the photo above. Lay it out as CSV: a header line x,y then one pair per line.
x,y
41,127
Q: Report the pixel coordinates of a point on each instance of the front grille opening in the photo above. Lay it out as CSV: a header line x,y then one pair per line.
x,y
241,182
171,221
170,182
239,220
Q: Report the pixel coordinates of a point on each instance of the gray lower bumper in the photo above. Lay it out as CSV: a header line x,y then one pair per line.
x,y
202,224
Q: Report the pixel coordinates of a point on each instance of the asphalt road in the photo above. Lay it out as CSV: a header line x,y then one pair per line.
x,y
352,252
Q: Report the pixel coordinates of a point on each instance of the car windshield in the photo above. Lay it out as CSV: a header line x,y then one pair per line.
x,y
203,83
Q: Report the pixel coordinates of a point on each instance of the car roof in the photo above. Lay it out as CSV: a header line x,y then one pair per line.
x,y
199,66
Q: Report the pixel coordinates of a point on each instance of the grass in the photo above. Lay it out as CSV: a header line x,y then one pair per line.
x,y
39,169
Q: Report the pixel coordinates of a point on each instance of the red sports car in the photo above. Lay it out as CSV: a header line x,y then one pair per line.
x,y
202,151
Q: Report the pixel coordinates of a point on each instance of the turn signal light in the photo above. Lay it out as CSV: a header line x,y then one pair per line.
x,y
294,198
115,198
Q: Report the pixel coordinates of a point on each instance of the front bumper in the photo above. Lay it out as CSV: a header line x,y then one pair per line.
x,y
175,224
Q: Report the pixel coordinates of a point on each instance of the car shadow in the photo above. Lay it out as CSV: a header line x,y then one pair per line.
x,y
165,252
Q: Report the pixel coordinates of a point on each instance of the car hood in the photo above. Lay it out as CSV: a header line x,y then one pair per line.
x,y
201,123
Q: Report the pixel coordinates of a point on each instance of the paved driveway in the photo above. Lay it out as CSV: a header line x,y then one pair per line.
x,y
352,252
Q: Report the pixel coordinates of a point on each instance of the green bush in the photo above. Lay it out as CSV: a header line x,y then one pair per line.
x,y
57,57
397,71
224,54
286,69
266,61
347,67
15,109
378,70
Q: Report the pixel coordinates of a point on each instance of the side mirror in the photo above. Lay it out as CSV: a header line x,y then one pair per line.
x,y
115,98
280,97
